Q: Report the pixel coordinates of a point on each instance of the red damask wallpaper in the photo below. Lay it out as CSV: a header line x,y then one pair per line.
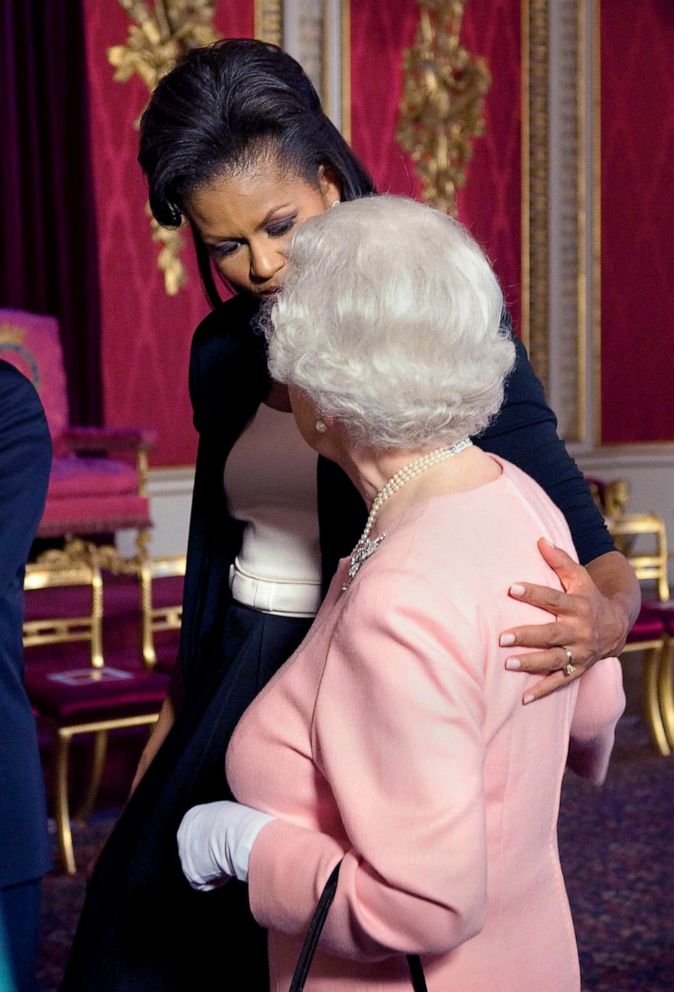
x,y
637,141
490,202
146,334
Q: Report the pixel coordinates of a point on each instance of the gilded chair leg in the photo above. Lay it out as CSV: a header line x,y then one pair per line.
x,y
666,690
96,617
653,659
65,837
145,579
97,765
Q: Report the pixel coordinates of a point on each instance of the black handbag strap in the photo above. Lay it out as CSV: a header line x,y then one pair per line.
x,y
314,932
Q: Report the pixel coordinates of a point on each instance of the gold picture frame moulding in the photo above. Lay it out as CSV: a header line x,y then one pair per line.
x,y
268,21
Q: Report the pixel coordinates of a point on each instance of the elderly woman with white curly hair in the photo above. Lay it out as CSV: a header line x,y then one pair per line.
x,y
392,741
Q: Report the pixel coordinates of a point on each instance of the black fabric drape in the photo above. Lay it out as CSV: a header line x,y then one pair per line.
x,y
48,252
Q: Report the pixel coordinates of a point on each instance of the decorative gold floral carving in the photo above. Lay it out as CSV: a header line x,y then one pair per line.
x,y
160,33
441,109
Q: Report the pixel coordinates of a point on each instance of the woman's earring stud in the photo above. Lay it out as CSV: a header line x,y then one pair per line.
x,y
321,426
335,203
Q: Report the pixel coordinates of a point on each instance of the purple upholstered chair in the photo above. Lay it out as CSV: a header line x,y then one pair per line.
x,y
76,693
90,493
653,632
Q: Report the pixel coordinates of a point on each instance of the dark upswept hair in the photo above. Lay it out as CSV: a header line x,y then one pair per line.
x,y
219,109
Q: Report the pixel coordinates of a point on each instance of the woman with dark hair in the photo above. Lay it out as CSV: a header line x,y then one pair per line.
x,y
235,142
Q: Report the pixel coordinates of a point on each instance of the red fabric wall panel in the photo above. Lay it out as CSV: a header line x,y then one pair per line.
x,y
145,333
379,34
490,202
637,256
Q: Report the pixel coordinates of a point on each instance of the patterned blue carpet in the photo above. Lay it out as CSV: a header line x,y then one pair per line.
x,y
617,849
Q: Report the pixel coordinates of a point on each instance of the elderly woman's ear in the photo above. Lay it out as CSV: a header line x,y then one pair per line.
x,y
313,425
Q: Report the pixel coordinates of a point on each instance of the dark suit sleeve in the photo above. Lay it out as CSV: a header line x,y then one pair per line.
x,y
25,458
525,433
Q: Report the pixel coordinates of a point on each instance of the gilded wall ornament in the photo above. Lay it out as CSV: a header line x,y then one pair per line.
x,y
442,105
159,34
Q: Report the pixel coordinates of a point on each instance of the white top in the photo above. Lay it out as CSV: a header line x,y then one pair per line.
x,y
270,481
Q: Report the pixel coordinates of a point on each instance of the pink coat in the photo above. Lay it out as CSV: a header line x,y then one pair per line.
x,y
394,738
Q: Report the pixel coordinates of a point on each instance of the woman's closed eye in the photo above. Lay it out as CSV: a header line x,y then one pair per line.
x,y
223,249
277,229
281,227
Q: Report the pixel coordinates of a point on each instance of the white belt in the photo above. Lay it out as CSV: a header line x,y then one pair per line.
x,y
285,598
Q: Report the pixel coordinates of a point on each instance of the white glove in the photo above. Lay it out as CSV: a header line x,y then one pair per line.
x,y
215,841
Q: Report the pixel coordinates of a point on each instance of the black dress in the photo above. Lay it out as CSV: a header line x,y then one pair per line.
x,y
142,927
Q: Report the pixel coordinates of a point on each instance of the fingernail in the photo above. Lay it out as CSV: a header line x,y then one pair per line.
x,y
513,664
517,589
528,699
548,542
505,640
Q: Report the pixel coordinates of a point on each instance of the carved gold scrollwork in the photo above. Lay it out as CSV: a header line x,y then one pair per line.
x,y
159,34
441,109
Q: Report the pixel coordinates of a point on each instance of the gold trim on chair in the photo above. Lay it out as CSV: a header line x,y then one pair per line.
x,y
80,566
658,662
62,806
57,569
160,618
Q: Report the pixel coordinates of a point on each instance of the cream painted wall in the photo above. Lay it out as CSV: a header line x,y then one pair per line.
x,y
170,501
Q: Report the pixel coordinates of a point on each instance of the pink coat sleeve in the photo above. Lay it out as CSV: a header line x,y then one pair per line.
x,y
397,734
599,705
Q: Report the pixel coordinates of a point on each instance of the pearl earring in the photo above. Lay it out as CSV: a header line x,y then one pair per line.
x,y
335,203
321,426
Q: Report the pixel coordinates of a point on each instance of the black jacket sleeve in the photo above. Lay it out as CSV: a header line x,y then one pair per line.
x,y
25,458
525,433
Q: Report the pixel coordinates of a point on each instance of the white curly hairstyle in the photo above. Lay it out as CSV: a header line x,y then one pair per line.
x,y
389,320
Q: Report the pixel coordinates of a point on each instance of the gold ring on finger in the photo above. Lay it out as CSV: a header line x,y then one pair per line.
x,y
569,668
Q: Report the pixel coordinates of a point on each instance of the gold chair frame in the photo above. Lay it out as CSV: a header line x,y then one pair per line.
x,y
160,618
659,652
83,570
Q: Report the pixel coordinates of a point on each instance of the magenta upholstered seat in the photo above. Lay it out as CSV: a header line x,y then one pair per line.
x,y
88,494
662,610
93,515
74,477
97,483
80,682
89,695
642,537
649,626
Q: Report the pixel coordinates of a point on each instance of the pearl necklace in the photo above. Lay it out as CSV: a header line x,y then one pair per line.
x,y
365,548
